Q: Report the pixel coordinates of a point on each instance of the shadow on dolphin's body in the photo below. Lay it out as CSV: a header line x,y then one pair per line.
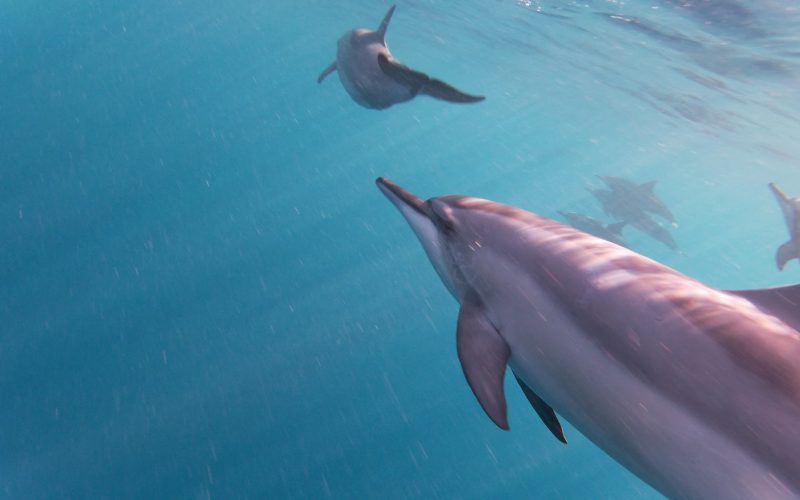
x,y
376,80
695,390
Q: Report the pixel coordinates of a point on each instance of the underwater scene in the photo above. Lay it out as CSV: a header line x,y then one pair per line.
x,y
204,293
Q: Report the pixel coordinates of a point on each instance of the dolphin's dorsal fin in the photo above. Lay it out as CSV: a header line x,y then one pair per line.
x,y
327,71
419,82
648,186
782,302
483,354
544,411
616,227
381,31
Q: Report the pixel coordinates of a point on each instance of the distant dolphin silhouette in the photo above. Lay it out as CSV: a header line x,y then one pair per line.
x,y
376,80
609,232
640,194
618,205
695,390
791,214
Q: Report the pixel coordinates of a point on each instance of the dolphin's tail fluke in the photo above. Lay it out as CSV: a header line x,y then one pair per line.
x,y
385,23
785,253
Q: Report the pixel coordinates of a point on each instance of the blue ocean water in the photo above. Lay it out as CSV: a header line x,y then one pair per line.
x,y
203,294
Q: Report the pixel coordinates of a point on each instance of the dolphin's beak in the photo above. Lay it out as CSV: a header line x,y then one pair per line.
x,y
401,198
417,213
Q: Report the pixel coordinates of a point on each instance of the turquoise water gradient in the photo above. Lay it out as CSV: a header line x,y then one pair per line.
x,y
203,294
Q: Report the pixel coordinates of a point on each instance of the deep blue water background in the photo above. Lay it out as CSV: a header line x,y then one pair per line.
x,y
202,293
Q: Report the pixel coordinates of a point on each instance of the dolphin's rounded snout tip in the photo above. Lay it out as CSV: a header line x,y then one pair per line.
x,y
384,184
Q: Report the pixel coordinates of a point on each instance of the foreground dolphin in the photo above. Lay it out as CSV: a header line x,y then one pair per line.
x,y
791,209
609,232
694,389
375,79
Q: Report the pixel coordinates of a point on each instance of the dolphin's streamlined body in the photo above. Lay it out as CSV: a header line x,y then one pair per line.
x,y
609,232
375,79
641,195
619,206
694,389
791,214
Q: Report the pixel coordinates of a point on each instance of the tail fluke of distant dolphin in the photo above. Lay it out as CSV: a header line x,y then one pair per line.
x,y
376,80
695,390
790,207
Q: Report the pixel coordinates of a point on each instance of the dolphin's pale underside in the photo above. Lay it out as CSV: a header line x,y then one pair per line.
x,y
695,390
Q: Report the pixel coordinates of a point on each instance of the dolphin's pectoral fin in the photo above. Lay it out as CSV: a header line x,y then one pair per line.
x,y
327,71
782,302
402,74
544,411
440,90
483,354
419,82
785,253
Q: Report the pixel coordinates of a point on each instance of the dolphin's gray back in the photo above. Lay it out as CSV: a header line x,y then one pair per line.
x,y
360,74
715,354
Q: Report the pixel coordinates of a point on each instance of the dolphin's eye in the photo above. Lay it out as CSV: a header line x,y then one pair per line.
x,y
447,225
442,216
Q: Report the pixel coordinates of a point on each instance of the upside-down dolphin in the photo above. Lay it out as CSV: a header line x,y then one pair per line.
x,y
375,79
791,214
696,390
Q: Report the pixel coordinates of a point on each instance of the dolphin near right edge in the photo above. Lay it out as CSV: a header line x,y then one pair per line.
x,y
695,390
791,214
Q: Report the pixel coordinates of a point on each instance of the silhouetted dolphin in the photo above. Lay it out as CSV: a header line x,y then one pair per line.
x,y
375,79
618,205
609,232
790,208
695,390
641,195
